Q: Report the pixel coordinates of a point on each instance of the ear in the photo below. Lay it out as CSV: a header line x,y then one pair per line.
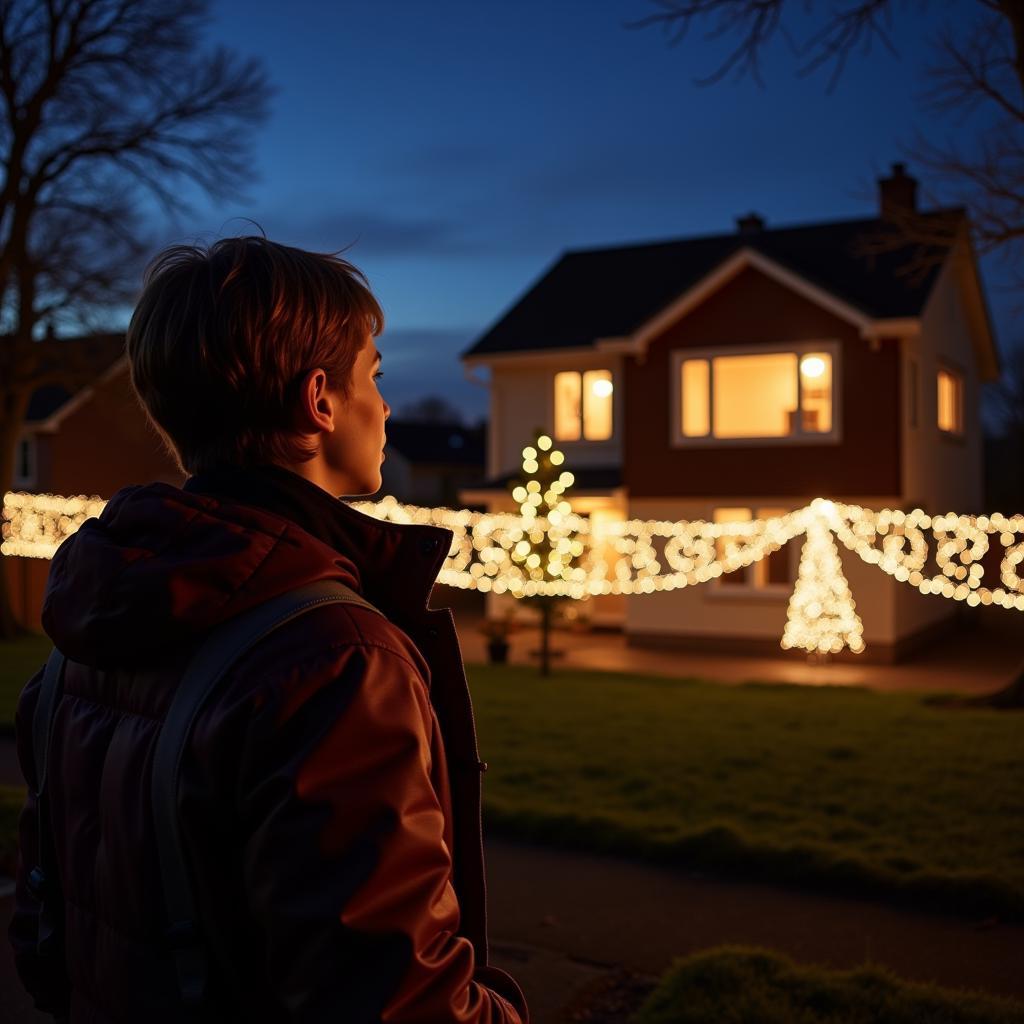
x,y
316,407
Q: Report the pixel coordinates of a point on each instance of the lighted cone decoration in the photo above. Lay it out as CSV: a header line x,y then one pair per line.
x,y
822,616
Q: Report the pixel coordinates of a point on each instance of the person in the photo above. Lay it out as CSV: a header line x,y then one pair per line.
x,y
329,797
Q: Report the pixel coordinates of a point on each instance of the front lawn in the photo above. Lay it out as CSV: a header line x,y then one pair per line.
x,y
753,986
844,789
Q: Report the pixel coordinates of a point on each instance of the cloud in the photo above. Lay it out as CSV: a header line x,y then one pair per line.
x,y
367,233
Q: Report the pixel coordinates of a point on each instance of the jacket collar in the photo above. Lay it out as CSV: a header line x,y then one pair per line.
x,y
396,564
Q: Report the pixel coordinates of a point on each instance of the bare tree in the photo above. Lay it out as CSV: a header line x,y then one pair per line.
x,y
104,104
979,74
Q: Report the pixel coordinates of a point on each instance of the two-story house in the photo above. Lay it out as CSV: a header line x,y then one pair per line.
x,y
738,376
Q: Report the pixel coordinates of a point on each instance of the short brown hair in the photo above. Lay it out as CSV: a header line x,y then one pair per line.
x,y
222,336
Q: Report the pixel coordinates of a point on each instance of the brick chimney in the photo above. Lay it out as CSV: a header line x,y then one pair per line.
x,y
751,224
897,192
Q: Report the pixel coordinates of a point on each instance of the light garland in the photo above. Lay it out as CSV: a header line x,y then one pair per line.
x,y
648,556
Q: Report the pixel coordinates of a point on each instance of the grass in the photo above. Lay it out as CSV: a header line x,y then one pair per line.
x,y
840,789
736,985
847,790
19,661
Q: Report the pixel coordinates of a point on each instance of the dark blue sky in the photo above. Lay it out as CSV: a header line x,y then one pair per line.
x,y
459,147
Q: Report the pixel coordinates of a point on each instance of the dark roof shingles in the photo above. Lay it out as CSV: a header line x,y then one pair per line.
x,y
602,293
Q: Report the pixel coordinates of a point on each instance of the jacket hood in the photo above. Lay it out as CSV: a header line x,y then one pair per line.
x,y
161,566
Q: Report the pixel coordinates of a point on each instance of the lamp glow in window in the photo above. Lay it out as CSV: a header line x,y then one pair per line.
x,y
816,392
583,405
950,402
597,405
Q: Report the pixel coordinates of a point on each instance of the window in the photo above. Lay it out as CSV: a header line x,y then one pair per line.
x,y
25,463
755,395
771,572
950,401
583,405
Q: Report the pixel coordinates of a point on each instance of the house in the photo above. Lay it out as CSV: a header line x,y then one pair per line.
x,y
739,376
91,442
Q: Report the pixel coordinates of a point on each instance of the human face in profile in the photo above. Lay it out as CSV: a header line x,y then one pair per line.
x,y
354,450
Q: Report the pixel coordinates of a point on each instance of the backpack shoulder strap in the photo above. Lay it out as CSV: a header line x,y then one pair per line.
x,y
223,647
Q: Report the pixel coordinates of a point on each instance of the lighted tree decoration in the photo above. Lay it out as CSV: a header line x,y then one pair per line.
x,y
548,550
822,613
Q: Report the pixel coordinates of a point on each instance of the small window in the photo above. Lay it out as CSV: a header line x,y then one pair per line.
x,y
583,405
950,402
771,571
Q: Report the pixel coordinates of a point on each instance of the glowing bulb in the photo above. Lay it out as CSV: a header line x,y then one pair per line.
x,y
812,366
543,442
603,388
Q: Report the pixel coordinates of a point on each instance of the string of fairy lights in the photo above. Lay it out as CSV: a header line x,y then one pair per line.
x,y
548,549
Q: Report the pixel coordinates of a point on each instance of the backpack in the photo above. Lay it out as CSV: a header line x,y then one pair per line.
x,y
225,645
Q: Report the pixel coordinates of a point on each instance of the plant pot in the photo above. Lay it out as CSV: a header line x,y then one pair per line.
x,y
497,651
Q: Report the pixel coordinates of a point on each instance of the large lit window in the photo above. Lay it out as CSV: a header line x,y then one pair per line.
x,y
769,572
583,405
756,395
951,402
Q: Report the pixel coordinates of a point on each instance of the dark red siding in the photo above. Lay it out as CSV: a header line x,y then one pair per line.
x,y
753,309
104,445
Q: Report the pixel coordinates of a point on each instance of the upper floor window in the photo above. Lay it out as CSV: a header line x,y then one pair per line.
x,y
737,396
772,572
583,405
950,401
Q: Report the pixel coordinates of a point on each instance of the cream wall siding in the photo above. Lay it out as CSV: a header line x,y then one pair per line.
x,y
522,398
946,474
701,611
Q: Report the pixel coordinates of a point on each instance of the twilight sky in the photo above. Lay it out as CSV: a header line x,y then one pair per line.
x,y
458,147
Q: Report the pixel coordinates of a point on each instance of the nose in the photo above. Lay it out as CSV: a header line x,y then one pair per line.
x,y
387,410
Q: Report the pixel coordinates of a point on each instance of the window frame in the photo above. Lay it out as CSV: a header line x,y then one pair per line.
x,y
677,439
616,411
960,378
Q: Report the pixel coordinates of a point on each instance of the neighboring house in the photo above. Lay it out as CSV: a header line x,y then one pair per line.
x,y
94,441
428,463
738,376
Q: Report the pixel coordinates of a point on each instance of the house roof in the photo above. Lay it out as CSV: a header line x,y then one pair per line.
x,y
448,443
611,292
99,352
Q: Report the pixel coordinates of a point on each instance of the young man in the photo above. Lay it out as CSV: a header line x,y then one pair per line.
x,y
329,798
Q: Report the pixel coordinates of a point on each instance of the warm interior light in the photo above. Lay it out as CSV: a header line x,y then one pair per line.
x,y
601,388
812,366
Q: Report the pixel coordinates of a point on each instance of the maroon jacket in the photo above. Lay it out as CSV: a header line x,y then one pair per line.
x,y
330,795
